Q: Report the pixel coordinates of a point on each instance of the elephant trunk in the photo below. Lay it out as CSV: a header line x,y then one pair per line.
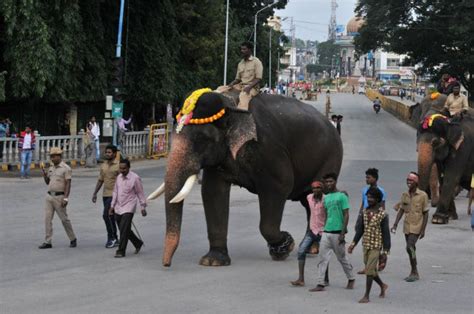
x,y
182,164
425,162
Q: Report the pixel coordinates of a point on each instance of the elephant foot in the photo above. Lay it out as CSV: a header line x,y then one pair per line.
x,y
215,257
453,216
434,202
280,251
440,219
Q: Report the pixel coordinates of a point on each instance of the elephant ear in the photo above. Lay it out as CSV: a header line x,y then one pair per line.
x,y
241,129
455,135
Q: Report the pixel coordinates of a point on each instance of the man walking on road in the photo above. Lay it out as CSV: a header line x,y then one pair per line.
x,y
128,191
373,226
58,178
247,80
26,146
333,239
95,130
414,204
109,171
316,226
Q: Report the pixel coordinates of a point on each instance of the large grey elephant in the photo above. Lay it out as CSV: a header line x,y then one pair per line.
x,y
273,150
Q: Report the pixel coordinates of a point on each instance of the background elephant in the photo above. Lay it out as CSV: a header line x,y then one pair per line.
x,y
427,168
274,150
453,152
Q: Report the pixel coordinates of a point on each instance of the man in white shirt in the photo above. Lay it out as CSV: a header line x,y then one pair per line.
x,y
95,130
456,103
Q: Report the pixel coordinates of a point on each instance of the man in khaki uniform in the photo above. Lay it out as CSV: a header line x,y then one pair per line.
x,y
249,75
414,204
58,178
109,171
456,103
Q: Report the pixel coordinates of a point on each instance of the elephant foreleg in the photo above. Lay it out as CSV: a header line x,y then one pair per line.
x,y
280,243
446,208
434,186
215,196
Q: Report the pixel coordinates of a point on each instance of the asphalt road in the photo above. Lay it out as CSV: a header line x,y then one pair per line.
x,y
88,279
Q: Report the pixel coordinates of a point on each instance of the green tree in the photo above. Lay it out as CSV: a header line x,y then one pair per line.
x,y
435,34
327,53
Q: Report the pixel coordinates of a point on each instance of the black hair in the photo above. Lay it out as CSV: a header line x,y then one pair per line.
x,y
125,161
334,116
330,175
247,44
375,193
456,84
373,172
415,173
113,148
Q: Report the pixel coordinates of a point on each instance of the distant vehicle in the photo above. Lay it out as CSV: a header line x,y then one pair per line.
x,y
361,90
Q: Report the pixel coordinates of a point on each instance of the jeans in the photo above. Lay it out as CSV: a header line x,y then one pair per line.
x,y
308,240
97,149
26,156
109,220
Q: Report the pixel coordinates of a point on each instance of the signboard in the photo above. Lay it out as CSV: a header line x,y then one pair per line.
x,y
406,73
117,109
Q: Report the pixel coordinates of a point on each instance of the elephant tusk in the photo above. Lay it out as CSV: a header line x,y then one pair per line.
x,y
188,185
157,193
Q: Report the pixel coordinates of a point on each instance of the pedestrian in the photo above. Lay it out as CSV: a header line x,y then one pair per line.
x,y
338,124
315,230
128,191
248,77
336,204
4,130
58,178
26,146
469,208
122,129
373,226
89,146
95,130
371,179
334,120
109,170
414,204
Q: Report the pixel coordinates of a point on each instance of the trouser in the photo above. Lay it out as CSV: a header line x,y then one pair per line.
x,y
97,149
26,156
308,240
330,243
53,204
125,225
411,240
109,220
244,98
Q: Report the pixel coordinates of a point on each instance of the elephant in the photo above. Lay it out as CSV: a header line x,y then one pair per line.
x,y
427,168
273,150
453,153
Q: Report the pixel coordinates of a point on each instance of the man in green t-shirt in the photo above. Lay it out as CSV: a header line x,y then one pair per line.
x,y
337,217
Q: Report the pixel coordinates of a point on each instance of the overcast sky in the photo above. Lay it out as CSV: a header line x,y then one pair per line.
x,y
315,11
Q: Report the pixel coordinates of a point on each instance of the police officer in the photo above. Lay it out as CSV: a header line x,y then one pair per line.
x,y
58,178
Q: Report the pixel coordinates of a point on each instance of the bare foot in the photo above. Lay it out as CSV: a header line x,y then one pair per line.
x,y
382,290
364,300
297,283
317,289
350,284
361,272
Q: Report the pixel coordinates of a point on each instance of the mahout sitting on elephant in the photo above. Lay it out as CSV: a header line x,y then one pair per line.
x,y
274,150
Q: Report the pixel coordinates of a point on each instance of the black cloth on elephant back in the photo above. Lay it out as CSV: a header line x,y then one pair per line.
x,y
209,104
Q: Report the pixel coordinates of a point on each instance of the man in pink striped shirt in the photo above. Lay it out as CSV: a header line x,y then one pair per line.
x,y
128,191
316,228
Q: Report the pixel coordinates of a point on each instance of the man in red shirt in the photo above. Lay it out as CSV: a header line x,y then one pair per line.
x,y
316,227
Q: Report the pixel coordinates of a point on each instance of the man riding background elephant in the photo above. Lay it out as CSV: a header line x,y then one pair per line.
x,y
274,150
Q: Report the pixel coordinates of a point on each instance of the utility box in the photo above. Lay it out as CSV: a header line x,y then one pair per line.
x,y
107,127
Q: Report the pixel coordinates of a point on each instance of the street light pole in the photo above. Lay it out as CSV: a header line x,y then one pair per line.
x,y
255,27
270,59
226,42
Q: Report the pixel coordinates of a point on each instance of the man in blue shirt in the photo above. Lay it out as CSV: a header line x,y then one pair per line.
x,y
371,178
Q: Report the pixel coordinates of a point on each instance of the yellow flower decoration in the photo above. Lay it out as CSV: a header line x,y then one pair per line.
x,y
434,95
190,102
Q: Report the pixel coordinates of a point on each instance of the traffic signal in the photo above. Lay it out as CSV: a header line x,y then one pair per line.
x,y
119,95
116,80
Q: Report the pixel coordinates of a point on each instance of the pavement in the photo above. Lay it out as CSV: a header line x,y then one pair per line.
x,y
87,279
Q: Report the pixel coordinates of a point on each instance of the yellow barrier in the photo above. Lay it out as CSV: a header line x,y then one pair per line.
x,y
158,140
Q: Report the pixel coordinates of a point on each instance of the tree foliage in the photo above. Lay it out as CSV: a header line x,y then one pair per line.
x,y
327,53
60,51
437,34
